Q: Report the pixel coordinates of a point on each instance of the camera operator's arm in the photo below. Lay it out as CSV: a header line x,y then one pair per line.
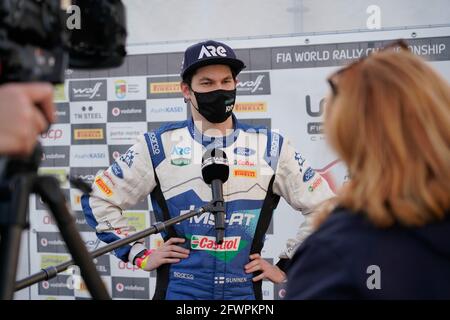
x,y
26,110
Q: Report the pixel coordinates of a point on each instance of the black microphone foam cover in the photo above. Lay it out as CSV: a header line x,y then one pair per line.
x,y
215,166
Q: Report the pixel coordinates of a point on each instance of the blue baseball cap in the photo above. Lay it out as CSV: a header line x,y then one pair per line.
x,y
207,53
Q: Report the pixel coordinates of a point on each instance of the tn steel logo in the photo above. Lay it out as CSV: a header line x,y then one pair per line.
x,y
209,243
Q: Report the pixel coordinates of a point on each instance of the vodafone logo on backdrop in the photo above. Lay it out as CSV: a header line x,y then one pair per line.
x,y
115,112
119,287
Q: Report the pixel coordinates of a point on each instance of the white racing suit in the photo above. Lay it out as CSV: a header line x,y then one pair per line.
x,y
167,164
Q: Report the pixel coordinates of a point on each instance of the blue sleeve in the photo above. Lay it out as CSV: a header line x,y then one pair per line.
x,y
318,272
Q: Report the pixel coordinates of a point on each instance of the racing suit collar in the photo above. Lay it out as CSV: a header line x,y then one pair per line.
x,y
214,142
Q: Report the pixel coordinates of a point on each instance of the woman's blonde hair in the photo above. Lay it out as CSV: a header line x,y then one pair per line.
x,y
389,121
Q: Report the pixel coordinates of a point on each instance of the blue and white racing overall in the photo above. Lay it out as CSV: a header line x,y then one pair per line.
x,y
166,164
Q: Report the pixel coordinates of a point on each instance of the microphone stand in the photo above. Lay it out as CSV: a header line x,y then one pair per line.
x,y
52,271
218,209
22,180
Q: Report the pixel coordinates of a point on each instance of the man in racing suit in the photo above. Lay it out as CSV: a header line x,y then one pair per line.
x,y
166,164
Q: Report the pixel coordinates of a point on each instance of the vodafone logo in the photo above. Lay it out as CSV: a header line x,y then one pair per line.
x,y
119,287
45,285
116,154
47,220
52,134
44,242
282,293
116,112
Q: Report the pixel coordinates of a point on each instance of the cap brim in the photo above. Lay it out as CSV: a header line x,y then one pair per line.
x,y
235,64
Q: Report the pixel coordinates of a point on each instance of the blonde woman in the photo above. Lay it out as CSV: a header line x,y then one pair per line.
x,y
387,236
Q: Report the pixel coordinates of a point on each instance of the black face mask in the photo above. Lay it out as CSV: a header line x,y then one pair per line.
x,y
216,106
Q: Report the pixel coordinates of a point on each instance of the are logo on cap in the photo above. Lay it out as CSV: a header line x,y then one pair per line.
x,y
212,51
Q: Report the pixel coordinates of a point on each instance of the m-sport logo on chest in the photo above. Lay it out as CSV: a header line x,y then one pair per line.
x,y
226,251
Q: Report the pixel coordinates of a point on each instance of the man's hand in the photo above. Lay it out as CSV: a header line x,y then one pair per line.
x,y
167,253
268,271
26,110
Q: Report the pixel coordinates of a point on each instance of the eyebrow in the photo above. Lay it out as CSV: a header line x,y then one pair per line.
x,y
212,80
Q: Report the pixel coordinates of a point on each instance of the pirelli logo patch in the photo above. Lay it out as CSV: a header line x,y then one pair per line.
x,y
103,186
244,173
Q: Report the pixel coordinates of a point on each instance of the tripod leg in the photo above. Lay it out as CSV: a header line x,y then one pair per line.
x,y
14,220
48,188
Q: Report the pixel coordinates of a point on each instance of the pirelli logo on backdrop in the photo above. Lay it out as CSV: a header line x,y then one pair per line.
x,y
88,134
163,87
244,173
250,107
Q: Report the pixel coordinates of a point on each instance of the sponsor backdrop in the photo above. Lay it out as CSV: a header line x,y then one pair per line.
x,y
101,113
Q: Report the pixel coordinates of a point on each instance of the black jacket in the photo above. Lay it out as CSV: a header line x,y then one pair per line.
x,y
341,261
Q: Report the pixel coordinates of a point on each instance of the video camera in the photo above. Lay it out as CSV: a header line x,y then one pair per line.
x,y
40,39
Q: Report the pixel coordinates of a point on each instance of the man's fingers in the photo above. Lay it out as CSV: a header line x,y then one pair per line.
x,y
41,123
168,260
173,254
177,249
253,269
41,94
252,264
259,277
254,256
174,240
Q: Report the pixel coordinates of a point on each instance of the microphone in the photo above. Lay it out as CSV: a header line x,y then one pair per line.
x,y
215,171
